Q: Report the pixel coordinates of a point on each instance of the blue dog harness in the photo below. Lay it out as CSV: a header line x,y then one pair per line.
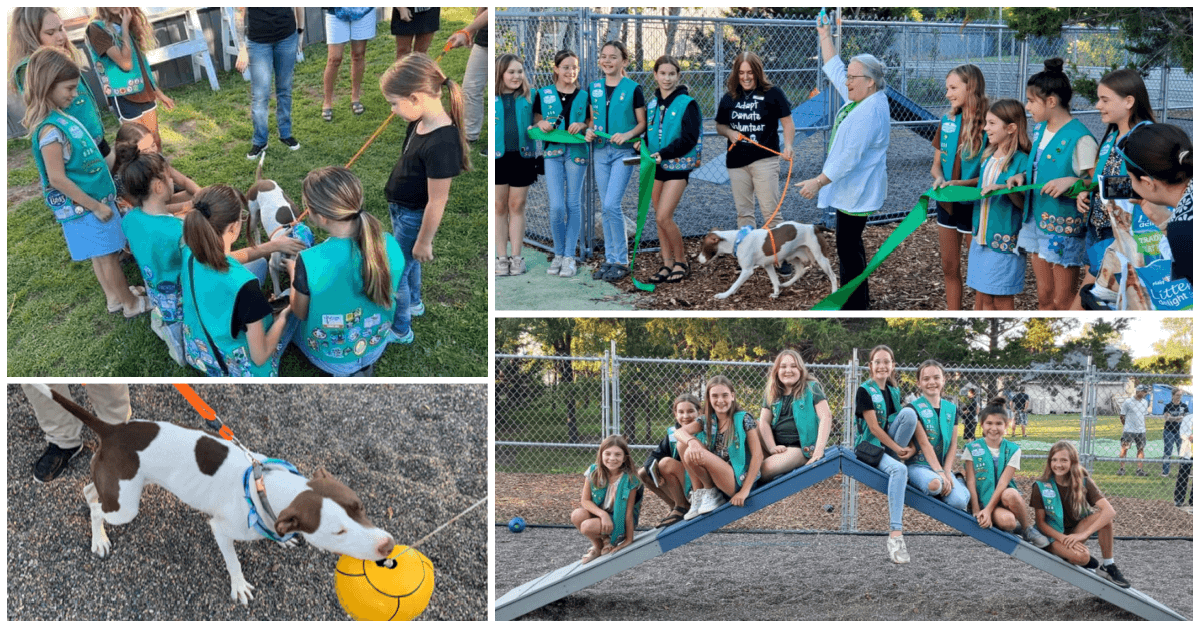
x,y
254,520
741,235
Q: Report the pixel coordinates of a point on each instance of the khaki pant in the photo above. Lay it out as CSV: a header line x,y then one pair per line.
x,y
111,402
761,179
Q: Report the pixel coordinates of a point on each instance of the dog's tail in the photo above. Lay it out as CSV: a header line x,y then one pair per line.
x,y
258,170
93,423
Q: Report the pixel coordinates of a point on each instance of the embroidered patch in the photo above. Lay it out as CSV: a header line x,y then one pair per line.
x,y
333,320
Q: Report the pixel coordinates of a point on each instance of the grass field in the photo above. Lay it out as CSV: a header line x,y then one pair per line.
x,y
57,323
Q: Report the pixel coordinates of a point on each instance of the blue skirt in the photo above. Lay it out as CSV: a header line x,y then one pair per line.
x,y
995,273
87,237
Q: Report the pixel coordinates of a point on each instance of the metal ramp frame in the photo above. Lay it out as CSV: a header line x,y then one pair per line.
x,y
652,543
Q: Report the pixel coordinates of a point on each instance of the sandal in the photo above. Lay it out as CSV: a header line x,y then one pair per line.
x,y
659,277
327,115
357,108
591,555
678,275
142,306
138,291
608,549
616,272
675,517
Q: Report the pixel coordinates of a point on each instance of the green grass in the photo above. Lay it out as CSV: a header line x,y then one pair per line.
x,y
57,322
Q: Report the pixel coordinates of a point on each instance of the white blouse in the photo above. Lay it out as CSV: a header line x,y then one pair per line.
x,y
857,161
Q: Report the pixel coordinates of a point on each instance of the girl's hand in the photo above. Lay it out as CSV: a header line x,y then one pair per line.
x,y
167,101
626,543
939,182
126,15
405,14
778,449
1057,187
817,455
907,452
947,482
422,251
619,138
287,246
988,189
1083,202
1071,541
283,314
577,128
544,125
739,498
1016,180
809,188
657,158
984,517
606,523
102,211
589,135
459,40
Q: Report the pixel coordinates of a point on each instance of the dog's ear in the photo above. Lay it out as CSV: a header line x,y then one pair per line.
x,y
322,474
302,515
285,215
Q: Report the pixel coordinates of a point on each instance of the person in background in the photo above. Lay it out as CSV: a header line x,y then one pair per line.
x,y
1173,413
270,40
63,431
1133,422
346,24
475,77
414,27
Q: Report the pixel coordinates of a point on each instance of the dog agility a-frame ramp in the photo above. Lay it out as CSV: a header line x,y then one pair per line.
x,y
652,543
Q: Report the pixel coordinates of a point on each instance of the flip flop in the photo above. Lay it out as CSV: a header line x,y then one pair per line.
x,y
138,291
142,306
675,517
327,115
357,108
591,555
608,549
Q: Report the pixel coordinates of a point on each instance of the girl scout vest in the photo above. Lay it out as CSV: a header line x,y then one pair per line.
x,y
948,142
738,457
552,111
524,111
1053,503
83,108
626,485
618,116
687,479
805,417
114,80
998,229
343,325
877,400
85,168
212,310
156,245
989,469
939,427
1056,216
666,123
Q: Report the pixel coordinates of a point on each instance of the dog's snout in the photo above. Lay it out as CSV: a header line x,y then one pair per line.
x,y
385,547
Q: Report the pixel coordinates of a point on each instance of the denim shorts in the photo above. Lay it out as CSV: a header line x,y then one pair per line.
x,y
1061,250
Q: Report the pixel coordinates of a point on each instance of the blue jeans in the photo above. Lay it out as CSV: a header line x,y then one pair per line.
x,y
901,430
406,226
1172,441
612,177
259,268
278,58
566,204
919,476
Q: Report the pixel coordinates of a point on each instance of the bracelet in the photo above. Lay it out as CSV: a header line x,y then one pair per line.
x,y
464,32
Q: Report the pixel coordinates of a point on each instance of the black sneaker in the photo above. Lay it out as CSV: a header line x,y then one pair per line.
x,y
290,142
1112,574
53,462
785,269
599,274
256,151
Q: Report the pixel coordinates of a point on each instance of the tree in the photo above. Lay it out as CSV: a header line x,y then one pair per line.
x,y
1174,353
1155,35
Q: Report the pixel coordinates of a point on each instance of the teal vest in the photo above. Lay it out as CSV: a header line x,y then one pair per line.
x,y
343,325
626,485
877,400
619,116
83,108
1056,216
687,479
666,123
804,414
524,121
215,293
948,143
1004,218
938,426
738,454
552,110
156,242
1052,502
114,80
986,470
85,167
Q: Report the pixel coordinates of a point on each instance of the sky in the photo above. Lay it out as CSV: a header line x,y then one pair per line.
x,y
1141,336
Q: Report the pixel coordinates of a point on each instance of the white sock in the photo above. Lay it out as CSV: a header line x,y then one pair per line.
x,y
1106,561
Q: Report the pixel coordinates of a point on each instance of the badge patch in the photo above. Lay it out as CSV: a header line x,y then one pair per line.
x,y
333,320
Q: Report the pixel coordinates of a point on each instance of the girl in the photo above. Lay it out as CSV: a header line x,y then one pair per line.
x,y
795,418
956,156
227,324
560,106
513,152
32,27
989,465
995,268
117,39
619,108
1124,104
75,181
673,485
155,238
673,139
732,465
611,500
435,150
1064,152
931,470
182,187
876,405
343,288
1069,508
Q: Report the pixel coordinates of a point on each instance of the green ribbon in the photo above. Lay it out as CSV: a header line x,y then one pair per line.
x,y
645,185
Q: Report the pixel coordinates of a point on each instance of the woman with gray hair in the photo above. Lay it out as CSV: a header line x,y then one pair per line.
x,y
853,182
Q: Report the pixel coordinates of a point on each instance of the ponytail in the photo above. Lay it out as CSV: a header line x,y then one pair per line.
x,y
216,207
418,73
457,115
335,194
137,171
376,273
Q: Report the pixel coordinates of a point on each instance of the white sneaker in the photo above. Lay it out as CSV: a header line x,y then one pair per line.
x,y
555,266
501,266
712,501
896,549
516,265
569,267
696,496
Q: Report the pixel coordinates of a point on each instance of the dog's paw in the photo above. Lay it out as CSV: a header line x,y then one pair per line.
x,y
722,296
101,545
774,295
241,591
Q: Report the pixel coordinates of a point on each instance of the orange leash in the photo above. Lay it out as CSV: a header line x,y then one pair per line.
x,y
786,185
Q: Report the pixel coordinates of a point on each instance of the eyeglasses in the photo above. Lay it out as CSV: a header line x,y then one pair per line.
x,y
856,76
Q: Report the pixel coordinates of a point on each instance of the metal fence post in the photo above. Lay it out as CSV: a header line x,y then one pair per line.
x,y
849,486
605,395
615,423
1087,422
1024,73
718,64
1166,111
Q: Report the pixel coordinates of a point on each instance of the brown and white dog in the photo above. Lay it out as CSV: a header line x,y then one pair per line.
x,y
268,202
207,474
798,243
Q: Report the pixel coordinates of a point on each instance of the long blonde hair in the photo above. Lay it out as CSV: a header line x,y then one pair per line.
x,y
417,73
47,68
599,476
1076,476
336,194
973,110
141,33
1010,111
24,37
774,389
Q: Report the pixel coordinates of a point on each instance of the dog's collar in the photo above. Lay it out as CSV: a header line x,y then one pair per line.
x,y
741,235
264,525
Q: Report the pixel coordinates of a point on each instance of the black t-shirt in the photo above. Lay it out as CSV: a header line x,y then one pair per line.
x,y
1173,412
250,306
1179,236
512,135
862,402
565,99
969,409
689,127
267,26
755,115
481,37
662,451
784,428
1019,401
434,155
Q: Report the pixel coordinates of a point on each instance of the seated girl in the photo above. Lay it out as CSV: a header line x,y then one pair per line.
x,y
931,470
726,472
611,500
795,419
673,485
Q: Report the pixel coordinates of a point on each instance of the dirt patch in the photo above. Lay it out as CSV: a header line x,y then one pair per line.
x,y
18,194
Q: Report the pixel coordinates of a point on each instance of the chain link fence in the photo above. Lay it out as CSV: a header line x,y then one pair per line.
x,y
918,56
553,412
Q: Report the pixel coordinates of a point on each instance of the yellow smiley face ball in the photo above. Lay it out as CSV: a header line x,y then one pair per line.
x,y
370,592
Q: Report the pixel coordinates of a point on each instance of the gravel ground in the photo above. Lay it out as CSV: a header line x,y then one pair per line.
x,y
949,578
166,565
